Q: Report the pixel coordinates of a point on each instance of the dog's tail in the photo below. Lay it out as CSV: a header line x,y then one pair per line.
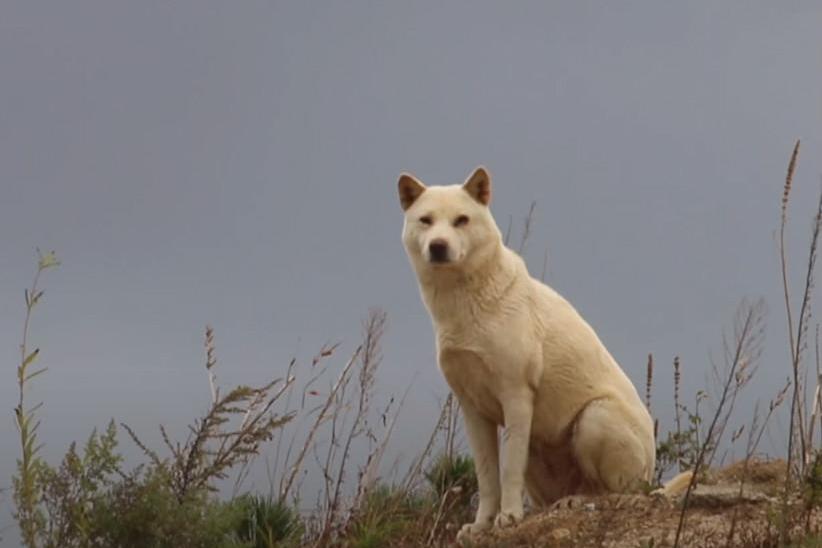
x,y
675,486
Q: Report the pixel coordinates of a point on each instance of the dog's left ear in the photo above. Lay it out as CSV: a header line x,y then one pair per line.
x,y
478,185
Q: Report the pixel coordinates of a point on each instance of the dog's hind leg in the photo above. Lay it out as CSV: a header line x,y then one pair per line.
x,y
608,444
541,484
552,474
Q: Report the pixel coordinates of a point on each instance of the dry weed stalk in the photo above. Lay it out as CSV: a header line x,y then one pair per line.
x,y
369,475
526,228
507,237
527,223
544,266
798,458
804,321
447,427
370,359
212,448
273,471
802,331
336,431
447,420
795,425
211,361
677,409
816,406
748,333
649,381
755,433
786,192
745,370
446,505
326,410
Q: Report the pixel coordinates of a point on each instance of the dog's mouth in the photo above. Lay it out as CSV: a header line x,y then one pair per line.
x,y
442,264
439,261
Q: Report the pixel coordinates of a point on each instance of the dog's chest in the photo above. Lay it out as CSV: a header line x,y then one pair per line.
x,y
475,379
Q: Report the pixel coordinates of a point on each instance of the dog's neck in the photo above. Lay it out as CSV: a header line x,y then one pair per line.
x,y
481,287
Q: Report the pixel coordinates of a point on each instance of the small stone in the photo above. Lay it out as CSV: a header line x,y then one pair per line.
x,y
725,496
560,534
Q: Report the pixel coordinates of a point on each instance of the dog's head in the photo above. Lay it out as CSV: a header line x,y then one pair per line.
x,y
448,227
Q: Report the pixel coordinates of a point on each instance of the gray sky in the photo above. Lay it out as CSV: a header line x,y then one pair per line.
x,y
236,163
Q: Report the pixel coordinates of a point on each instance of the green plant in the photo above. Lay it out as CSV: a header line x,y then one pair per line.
x,y
453,475
143,510
267,522
88,501
27,480
71,491
680,448
812,541
386,514
812,487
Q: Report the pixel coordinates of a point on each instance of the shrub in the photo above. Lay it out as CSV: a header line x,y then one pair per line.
x,y
266,523
386,514
453,475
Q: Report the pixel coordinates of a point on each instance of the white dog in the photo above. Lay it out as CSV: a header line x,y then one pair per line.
x,y
518,355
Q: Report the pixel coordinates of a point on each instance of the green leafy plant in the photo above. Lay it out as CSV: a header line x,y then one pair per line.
x,y
680,448
27,486
143,510
453,475
71,491
267,522
88,501
388,514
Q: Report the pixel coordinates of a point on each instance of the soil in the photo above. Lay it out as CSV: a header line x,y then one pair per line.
x,y
719,514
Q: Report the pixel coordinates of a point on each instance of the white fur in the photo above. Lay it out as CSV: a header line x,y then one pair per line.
x,y
519,356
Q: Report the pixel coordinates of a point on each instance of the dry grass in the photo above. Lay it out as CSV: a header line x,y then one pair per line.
x,y
739,360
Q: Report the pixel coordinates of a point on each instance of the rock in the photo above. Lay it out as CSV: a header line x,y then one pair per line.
x,y
560,534
722,496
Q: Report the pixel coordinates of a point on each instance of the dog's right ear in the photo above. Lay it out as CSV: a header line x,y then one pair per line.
x,y
410,189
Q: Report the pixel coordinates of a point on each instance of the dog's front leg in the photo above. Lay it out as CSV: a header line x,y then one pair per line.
x,y
482,437
518,409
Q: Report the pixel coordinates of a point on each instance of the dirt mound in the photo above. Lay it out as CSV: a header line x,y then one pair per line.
x,y
719,514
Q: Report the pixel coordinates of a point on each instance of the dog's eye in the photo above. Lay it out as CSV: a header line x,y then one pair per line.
x,y
426,220
461,220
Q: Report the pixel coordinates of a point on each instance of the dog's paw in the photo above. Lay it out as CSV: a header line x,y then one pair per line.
x,y
507,519
469,529
571,502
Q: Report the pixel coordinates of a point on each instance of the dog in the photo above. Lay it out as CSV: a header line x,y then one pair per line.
x,y
517,355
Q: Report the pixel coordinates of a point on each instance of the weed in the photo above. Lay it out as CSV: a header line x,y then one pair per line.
x,y
267,523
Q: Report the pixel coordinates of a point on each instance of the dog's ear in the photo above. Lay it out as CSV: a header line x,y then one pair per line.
x,y
478,185
410,189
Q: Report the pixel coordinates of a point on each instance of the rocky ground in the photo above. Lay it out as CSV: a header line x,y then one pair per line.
x,y
718,515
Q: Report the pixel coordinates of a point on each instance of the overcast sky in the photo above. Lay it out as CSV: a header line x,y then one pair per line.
x,y
235,163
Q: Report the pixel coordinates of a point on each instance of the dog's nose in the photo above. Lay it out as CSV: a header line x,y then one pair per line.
x,y
438,249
